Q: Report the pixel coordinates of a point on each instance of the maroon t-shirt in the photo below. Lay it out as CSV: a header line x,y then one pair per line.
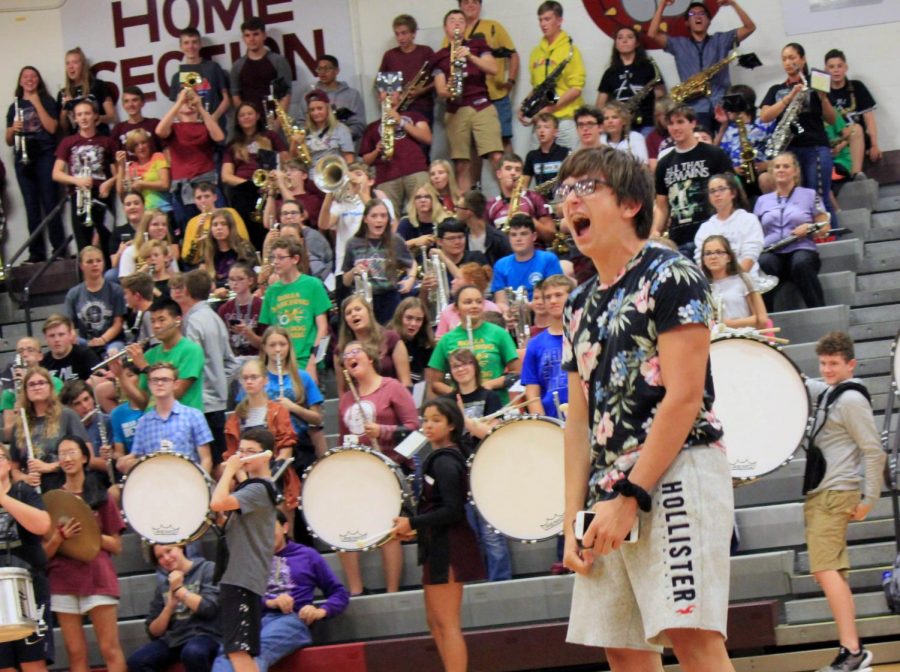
x,y
475,93
391,406
190,150
98,152
123,128
409,157
245,169
531,203
249,315
312,202
255,77
409,64
97,577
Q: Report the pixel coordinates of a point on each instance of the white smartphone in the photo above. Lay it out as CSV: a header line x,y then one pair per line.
x,y
583,520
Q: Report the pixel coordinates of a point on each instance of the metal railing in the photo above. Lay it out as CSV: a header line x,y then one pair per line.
x,y
39,231
26,293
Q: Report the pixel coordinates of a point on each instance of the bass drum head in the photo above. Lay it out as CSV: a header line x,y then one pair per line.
x,y
165,499
762,403
517,478
350,498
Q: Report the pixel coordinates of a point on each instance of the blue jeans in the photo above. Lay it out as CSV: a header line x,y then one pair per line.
x,y
195,655
40,195
494,547
281,635
816,166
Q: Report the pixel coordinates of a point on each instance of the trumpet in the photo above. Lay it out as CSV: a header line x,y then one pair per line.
x,y
263,182
21,144
83,198
190,80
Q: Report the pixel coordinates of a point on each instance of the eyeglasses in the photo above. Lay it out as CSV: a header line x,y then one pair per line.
x,y
718,190
352,353
250,377
454,237
715,253
586,124
34,384
281,257
25,349
583,187
696,12
155,380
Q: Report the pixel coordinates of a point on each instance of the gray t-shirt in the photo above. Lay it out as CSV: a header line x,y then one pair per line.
x,y
93,312
47,447
250,533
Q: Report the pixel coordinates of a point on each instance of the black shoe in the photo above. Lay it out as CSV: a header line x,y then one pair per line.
x,y
849,662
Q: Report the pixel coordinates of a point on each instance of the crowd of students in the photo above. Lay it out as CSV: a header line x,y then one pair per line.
x,y
232,300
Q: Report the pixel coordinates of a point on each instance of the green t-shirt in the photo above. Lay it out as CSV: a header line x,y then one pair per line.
x,y
494,349
842,158
188,358
8,398
295,306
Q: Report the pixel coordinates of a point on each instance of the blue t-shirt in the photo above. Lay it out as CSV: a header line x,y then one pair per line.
x,y
313,395
543,366
509,272
124,420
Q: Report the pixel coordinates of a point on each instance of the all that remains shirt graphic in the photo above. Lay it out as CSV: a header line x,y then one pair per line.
x,y
685,183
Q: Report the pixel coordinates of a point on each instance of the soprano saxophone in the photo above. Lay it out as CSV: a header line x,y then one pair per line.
x,y
457,67
785,130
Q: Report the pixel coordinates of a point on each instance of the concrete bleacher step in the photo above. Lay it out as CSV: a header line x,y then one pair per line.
x,y
858,221
887,298
816,609
837,288
878,281
808,324
859,194
861,580
860,555
880,257
795,634
840,255
873,357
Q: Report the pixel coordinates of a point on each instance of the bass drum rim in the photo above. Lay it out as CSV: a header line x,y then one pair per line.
x,y
475,481
799,430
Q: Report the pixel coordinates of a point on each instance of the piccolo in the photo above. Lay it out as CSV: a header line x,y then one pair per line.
x,y
359,406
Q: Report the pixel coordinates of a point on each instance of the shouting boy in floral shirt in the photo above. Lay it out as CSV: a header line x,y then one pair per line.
x,y
641,439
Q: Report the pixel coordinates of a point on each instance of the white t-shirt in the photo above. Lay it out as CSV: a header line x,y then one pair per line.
x,y
633,143
731,293
744,234
350,214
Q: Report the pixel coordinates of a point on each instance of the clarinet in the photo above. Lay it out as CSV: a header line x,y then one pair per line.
x,y
280,370
470,334
104,441
21,143
29,446
359,406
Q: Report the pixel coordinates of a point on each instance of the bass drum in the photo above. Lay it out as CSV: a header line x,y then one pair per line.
x,y
351,496
517,478
762,403
165,499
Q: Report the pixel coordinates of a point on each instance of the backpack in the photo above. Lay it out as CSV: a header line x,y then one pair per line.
x,y
891,583
222,552
816,465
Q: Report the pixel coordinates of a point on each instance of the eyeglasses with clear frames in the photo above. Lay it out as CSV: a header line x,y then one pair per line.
x,y
583,187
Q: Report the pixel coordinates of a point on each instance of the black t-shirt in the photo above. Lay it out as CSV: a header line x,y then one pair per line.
x,y
120,233
477,404
681,177
809,118
624,81
77,364
852,100
418,359
23,546
543,167
101,92
39,140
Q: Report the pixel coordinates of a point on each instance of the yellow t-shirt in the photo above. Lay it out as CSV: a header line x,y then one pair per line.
x,y
497,38
190,231
544,59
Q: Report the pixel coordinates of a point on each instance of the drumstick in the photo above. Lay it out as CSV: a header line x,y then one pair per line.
x,y
29,446
508,407
362,411
368,541
768,330
256,456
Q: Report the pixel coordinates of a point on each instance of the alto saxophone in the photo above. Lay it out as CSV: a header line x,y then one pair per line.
x,y
784,132
457,67
388,129
514,200
295,133
748,151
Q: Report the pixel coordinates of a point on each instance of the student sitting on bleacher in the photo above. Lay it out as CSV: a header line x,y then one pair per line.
x,y
288,609
183,620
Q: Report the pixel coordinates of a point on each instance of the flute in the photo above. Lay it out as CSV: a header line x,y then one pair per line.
x,y
280,370
470,334
29,446
359,406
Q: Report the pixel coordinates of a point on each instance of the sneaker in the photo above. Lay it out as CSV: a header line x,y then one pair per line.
x,y
847,662
859,177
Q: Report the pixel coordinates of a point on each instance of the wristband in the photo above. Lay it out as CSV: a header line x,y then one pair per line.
x,y
626,488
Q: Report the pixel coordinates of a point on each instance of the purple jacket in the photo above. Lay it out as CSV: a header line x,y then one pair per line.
x,y
299,570
779,217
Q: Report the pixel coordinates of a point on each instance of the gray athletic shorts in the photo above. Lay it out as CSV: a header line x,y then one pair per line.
x,y
676,575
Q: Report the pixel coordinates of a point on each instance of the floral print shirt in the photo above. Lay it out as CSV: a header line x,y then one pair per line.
x,y
611,342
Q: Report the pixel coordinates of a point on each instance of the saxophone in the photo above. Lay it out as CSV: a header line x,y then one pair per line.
x,y
783,134
544,94
193,256
514,200
294,133
388,129
518,306
699,85
633,104
457,67
748,151
418,80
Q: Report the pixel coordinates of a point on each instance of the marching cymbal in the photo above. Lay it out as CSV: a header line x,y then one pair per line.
x,y
63,506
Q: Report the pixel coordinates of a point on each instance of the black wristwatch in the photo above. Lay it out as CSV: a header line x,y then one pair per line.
x,y
628,489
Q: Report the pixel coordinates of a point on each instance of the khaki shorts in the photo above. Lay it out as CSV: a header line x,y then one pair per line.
x,y
676,575
466,123
827,515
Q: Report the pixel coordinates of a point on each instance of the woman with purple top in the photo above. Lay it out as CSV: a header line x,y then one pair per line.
x,y
791,210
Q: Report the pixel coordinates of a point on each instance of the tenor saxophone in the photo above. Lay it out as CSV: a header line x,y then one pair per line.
x,y
457,67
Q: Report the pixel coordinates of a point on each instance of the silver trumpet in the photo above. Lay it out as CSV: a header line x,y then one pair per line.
x,y
439,297
518,307
21,143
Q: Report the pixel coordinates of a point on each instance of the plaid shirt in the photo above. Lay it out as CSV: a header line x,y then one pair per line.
x,y
185,427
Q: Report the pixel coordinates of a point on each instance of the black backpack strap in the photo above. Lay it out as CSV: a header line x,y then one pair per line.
x,y
834,395
271,490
